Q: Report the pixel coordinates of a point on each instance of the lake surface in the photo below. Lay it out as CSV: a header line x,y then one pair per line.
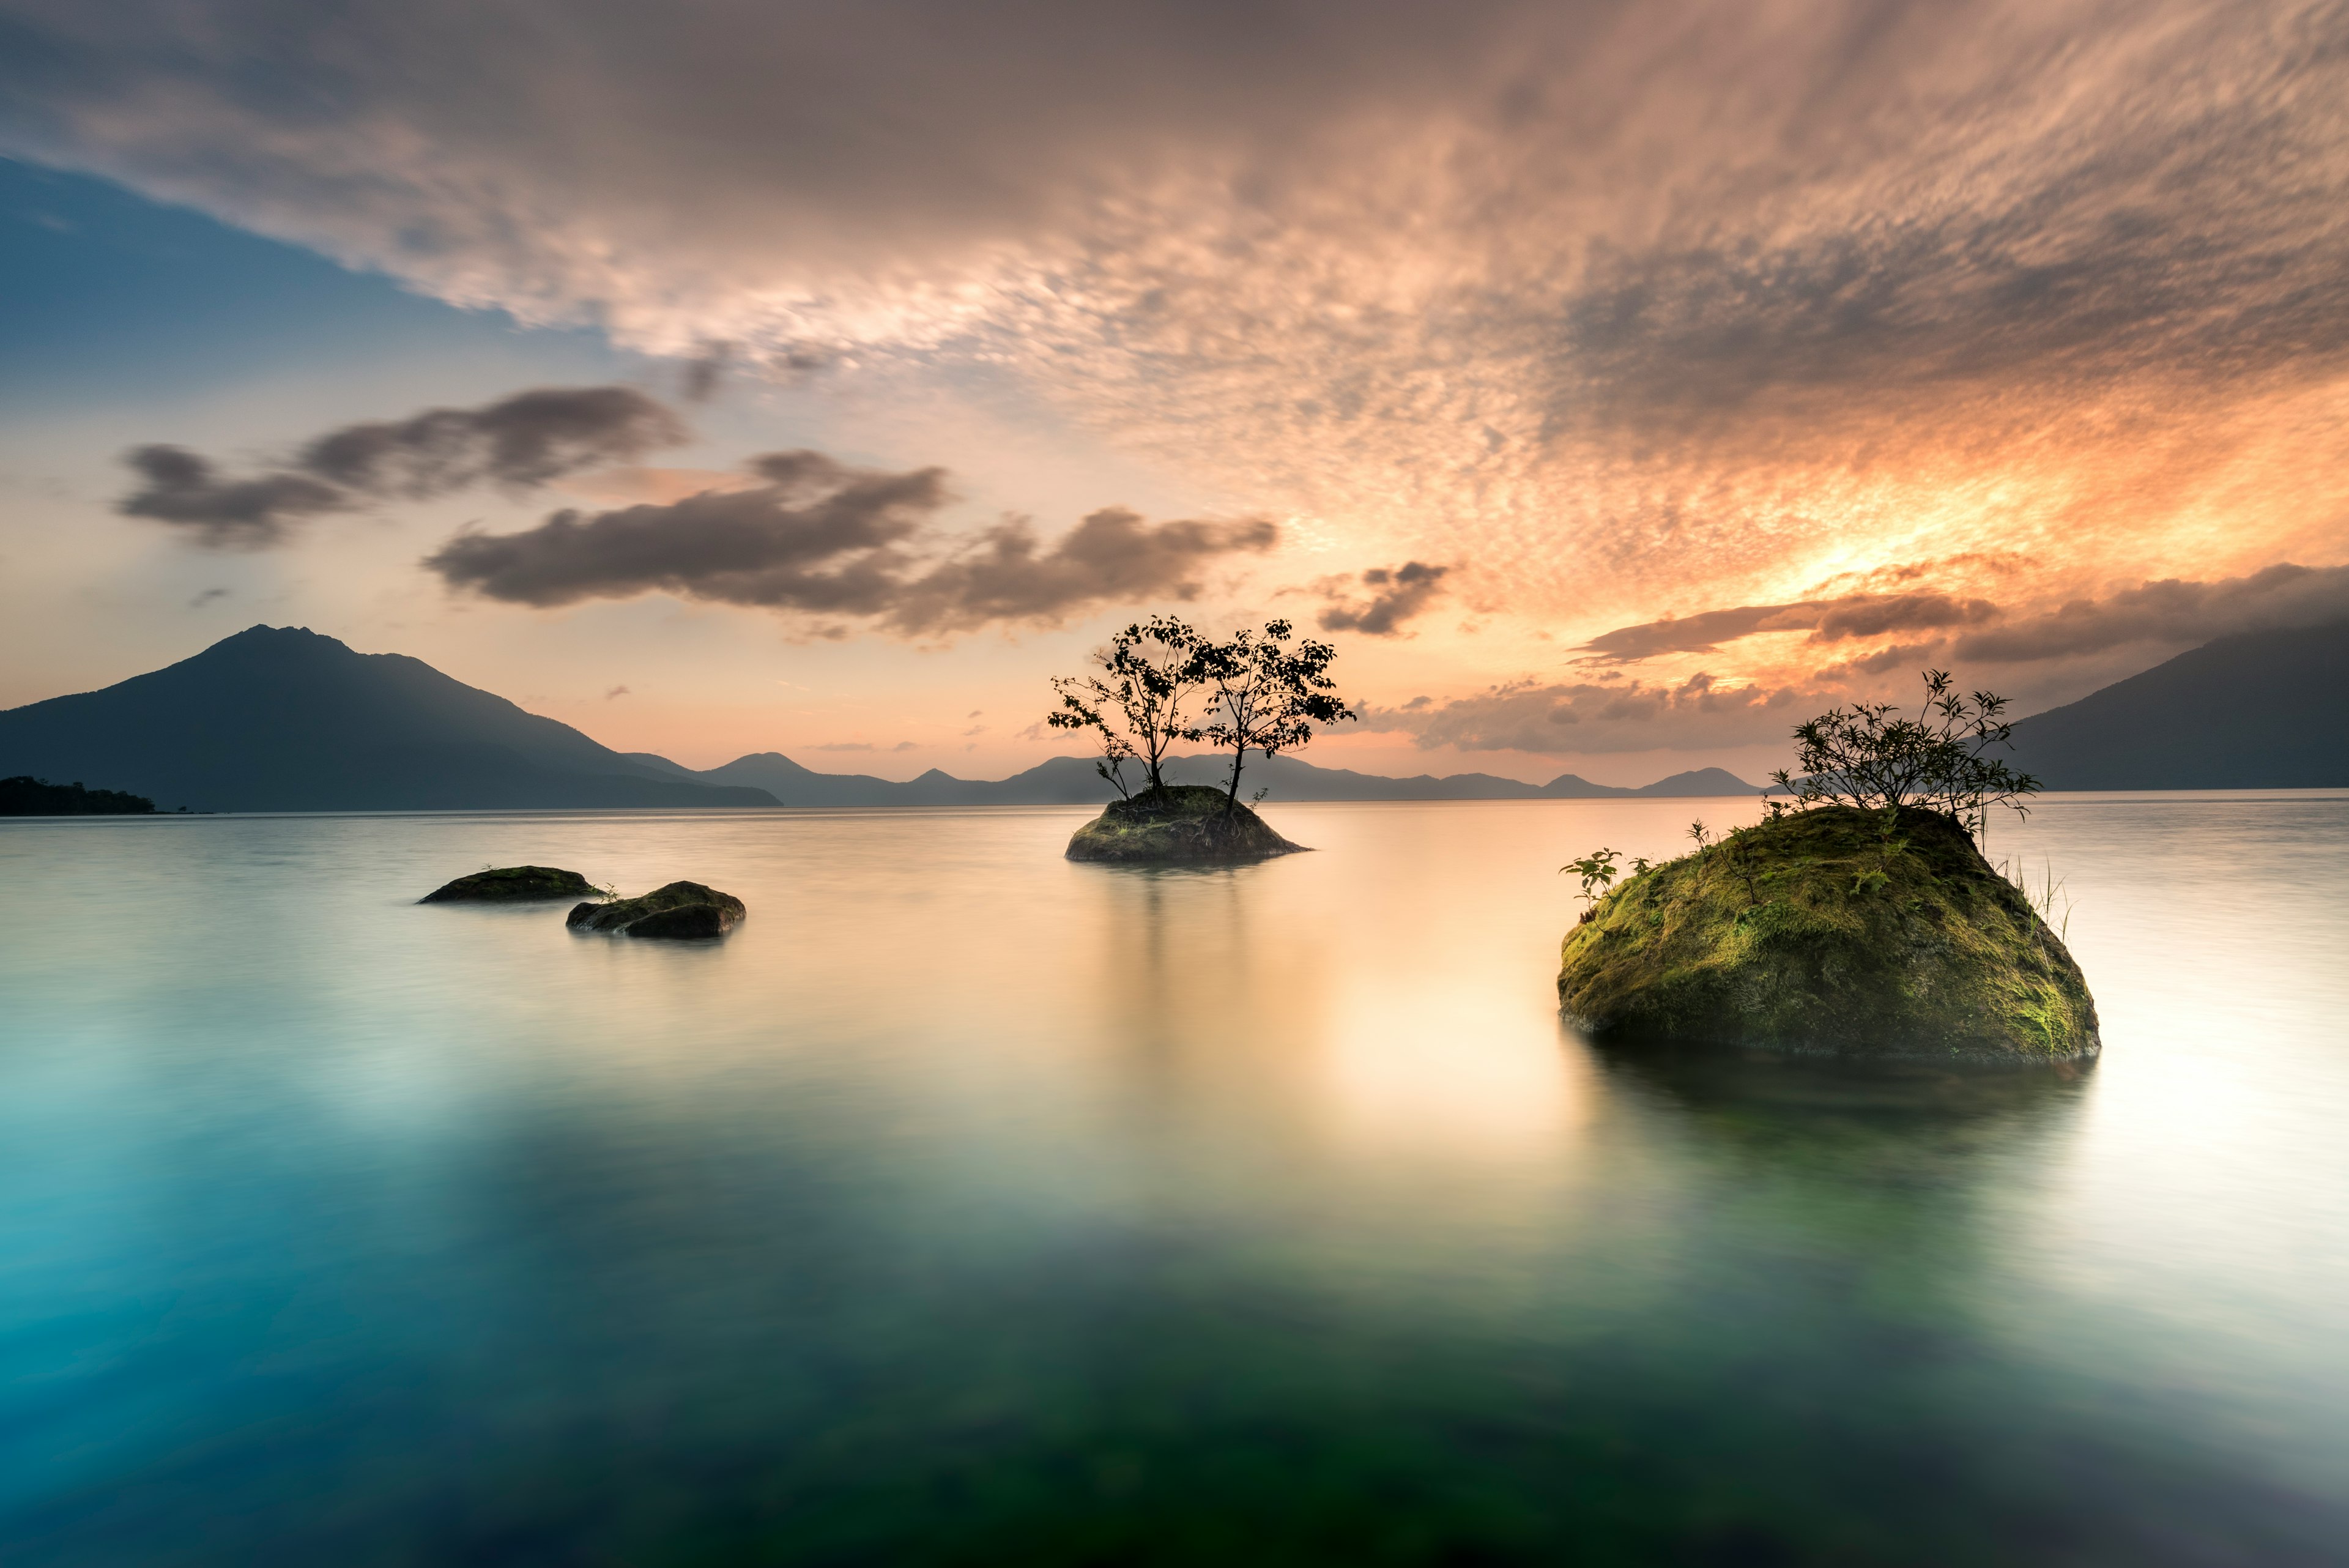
x,y
969,1206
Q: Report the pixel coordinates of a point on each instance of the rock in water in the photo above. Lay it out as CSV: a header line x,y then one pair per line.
x,y
1833,930
512,885
1177,825
680,909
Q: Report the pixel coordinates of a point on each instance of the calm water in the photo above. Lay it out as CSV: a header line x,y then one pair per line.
x,y
971,1206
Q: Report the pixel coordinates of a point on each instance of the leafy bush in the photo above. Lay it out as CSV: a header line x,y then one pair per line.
x,y
1163,682
1867,757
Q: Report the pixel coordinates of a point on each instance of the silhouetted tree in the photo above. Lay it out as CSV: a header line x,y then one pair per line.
x,y
1867,757
1150,674
1268,695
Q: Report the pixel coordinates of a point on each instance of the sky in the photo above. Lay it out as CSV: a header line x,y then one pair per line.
x,y
1613,384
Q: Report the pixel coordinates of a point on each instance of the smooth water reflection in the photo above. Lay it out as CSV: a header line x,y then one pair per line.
x,y
967,1205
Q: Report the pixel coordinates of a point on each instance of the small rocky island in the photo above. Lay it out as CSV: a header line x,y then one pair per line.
x,y
1178,824
1879,933
681,910
514,885
1261,697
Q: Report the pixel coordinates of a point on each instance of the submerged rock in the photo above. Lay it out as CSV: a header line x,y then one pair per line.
x,y
512,885
1177,825
685,910
1832,931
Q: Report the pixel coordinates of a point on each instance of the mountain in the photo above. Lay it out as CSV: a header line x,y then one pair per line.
x,y
1071,781
2265,710
282,719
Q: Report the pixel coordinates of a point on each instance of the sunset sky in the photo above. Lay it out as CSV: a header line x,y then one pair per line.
x,y
1613,383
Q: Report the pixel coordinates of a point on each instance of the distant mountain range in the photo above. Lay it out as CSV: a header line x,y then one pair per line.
x,y
1072,781
282,719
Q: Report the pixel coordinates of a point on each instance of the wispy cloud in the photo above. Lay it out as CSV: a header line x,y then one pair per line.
x,y
519,443
1827,620
2171,612
1564,717
820,538
1395,596
1616,307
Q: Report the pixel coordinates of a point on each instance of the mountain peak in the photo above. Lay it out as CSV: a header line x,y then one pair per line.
x,y
277,641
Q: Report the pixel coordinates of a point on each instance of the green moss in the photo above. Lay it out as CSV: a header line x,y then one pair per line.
x,y
1831,930
1177,825
683,909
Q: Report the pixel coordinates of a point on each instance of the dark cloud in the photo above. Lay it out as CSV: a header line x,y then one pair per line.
x,y
1396,596
818,536
518,442
1113,556
1701,633
1827,620
1550,719
822,538
243,513
706,372
2169,611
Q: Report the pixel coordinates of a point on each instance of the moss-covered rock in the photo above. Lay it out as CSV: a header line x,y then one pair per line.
x,y
512,885
1177,825
1831,930
681,910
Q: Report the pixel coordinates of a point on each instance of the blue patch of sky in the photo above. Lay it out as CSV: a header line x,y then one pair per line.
x,y
106,295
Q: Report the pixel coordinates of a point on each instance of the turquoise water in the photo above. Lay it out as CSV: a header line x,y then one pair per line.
x,y
969,1206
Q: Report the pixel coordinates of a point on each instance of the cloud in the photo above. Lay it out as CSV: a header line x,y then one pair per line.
x,y
1396,596
821,538
2170,611
1827,620
1616,300
1111,556
519,443
184,489
706,372
616,692
1561,718
207,597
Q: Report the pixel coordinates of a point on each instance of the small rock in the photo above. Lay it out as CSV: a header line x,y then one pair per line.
x,y
681,910
512,885
1178,824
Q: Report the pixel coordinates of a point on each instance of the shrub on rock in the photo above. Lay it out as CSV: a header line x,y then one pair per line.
x,y
681,910
1177,825
1881,933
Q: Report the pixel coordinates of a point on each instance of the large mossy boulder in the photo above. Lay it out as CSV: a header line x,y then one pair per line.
x,y
1177,825
681,910
512,885
1831,930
